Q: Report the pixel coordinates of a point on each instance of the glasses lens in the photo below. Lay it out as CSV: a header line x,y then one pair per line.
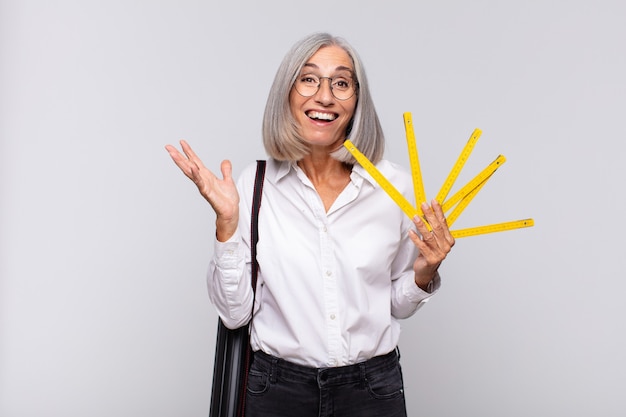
x,y
342,88
307,85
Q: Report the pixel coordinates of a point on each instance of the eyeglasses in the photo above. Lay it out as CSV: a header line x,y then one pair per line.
x,y
342,87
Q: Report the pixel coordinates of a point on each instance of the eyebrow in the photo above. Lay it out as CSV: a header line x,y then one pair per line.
x,y
339,68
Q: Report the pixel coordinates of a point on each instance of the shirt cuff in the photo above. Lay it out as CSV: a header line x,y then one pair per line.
x,y
228,254
417,295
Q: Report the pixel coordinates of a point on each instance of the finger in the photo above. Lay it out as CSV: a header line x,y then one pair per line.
x,y
426,241
443,223
227,170
436,222
428,212
173,151
420,224
180,161
428,254
437,240
190,165
191,154
416,239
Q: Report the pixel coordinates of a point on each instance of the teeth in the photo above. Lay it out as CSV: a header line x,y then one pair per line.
x,y
322,116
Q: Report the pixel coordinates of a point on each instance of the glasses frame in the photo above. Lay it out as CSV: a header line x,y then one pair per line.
x,y
355,86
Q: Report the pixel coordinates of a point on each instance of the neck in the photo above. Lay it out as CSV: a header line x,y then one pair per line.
x,y
323,168
328,176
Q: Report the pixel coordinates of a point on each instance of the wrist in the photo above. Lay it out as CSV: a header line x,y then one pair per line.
x,y
425,282
225,228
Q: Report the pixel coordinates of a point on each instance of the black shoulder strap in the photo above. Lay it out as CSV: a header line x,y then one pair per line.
x,y
254,232
254,227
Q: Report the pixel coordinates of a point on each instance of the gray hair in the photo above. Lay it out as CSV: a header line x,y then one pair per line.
x,y
280,131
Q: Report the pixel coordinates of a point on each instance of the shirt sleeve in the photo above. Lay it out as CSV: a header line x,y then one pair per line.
x,y
406,296
228,282
228,278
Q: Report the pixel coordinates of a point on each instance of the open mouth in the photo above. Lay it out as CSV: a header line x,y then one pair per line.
x,y
324,117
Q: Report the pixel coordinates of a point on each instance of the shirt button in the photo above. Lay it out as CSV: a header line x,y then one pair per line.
x,y
332,317
328,273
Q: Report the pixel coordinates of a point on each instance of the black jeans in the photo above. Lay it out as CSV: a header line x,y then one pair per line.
x,y
277,388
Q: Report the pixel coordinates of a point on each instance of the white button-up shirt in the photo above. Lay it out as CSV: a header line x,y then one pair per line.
x,y
332,284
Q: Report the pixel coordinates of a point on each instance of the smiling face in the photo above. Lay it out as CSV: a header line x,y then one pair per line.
x,y
323,119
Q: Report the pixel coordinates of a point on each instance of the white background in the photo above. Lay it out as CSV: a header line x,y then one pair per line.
x,y
104,244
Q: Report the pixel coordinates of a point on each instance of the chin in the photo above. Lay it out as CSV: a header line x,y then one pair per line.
x,y
334,142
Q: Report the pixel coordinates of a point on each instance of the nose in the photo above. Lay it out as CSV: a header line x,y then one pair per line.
x,y
324,93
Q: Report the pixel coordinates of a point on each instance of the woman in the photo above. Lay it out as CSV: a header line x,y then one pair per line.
x,y
339,262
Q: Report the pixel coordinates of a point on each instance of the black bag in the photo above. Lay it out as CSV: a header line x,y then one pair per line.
x,y
232,350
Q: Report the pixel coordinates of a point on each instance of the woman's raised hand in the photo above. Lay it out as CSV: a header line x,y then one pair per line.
x,y
433,245
220,193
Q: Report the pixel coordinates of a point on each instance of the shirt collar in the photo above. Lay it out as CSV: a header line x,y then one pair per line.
x,y
361,172
280,169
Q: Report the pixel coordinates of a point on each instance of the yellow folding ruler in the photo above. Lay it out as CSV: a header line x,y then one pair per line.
x,y
459,200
